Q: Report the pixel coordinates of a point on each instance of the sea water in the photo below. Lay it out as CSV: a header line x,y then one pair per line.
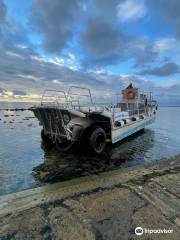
x,y
25,162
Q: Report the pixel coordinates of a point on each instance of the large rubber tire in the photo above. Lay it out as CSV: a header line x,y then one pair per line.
x,y
97,140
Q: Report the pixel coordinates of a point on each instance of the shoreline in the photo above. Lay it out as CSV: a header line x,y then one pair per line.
x,y
102,204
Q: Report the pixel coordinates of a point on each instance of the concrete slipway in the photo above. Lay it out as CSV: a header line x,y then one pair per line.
x,y
108,206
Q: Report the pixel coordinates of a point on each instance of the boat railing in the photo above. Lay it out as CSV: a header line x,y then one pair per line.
x,y
80,98
53,96
80,94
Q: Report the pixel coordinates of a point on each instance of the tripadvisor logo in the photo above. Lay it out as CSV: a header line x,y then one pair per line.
x,y
139,231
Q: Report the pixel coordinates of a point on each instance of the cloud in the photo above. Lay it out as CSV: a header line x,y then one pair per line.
x,y
168,96
92,32
11,32
55,20
32,73
103,41
166,69
167,44
19,93
1,90
143,52
131,10
3,11
169,12
106,44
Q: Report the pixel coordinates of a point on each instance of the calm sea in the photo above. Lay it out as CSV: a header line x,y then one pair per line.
x,y
26,163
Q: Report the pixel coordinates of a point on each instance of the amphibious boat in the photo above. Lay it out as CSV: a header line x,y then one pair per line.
x,y
74,117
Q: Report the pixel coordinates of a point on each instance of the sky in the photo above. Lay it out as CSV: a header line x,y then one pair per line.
x,y
100,44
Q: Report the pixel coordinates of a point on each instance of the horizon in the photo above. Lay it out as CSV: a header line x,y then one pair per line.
x,y
37,102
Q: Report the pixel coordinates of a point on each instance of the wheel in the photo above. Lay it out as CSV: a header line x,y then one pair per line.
x,y
97,140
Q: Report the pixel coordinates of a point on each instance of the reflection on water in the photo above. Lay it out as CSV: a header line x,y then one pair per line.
x,y
62,166
134,150
26,163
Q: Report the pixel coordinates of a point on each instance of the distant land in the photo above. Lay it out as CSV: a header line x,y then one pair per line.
x,y
36,102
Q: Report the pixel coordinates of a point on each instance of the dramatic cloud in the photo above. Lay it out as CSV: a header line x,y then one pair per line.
x,y
101,44
165,70
106,42
32,74
100,38
55,20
